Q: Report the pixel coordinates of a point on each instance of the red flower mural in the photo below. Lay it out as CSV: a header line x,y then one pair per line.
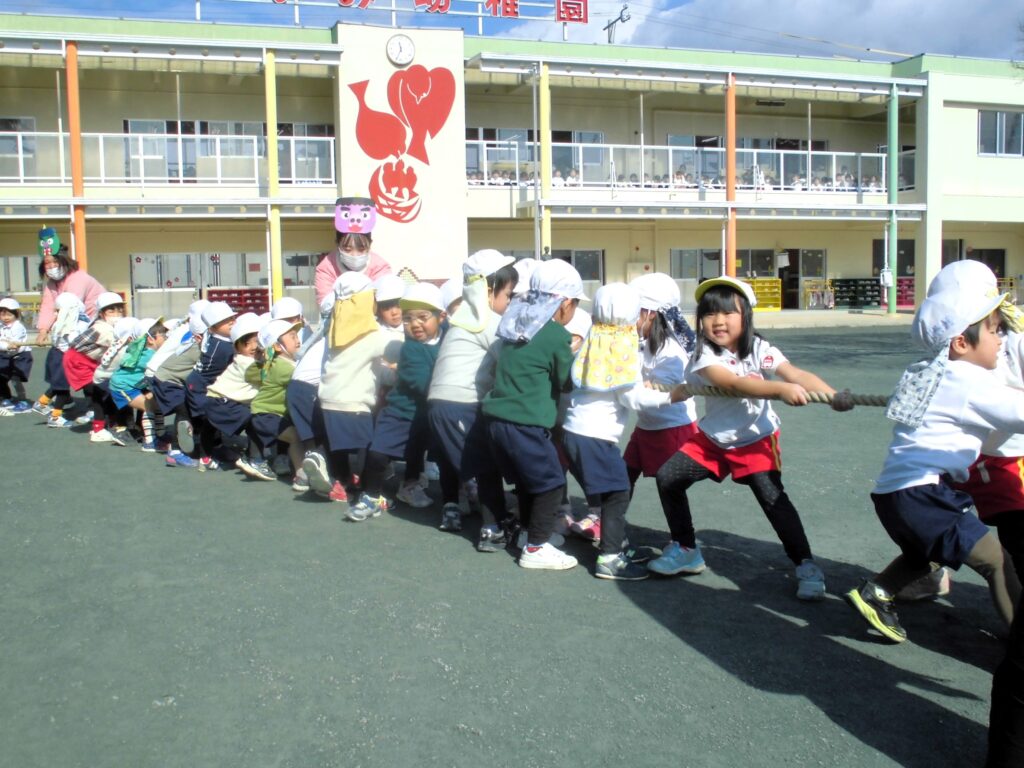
x,y
421,101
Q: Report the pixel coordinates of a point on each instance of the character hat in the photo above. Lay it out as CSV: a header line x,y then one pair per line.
x,y
49,242
558,278
108,299
245,325
285,308
737,285
12,304
423,296
389,288
354,215
274,330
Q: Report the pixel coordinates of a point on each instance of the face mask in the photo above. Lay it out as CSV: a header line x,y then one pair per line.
x,y
355,260
55,273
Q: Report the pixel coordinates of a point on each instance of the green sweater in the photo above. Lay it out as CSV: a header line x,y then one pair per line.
x,y
530,377
415,367
272,381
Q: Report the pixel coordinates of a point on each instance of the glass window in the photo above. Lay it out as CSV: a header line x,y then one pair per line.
x,y
988,125
1012,133
761,261
684,263
812,263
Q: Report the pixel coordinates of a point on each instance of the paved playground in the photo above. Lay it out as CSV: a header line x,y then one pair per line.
x,y
159,617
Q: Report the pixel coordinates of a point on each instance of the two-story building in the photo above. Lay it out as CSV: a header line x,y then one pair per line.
x,y
184,157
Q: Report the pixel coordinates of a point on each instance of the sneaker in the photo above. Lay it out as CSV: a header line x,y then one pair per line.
x,y
639,554
300,483
85,418
928,587
451,518
163,445
367,507
186,439
23,407
102,436
413,495
149,447
258,470
59,422
6,403
242,465
875,605
6,411
810,581
179,459
42,410
338,493
281,465
555,539
546,557
121,436
620,568
676,559
208,464
490,540
315,467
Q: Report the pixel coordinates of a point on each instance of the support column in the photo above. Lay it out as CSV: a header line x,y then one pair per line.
x,y
892,177
730,175
544,98
273,179
78,245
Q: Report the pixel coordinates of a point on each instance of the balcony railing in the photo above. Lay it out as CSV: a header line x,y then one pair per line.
x,y
668,167
114,158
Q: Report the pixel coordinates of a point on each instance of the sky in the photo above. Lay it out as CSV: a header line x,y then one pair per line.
x,y
865,29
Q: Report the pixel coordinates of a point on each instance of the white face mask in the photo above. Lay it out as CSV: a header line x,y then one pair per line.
x,y
55,273
355,261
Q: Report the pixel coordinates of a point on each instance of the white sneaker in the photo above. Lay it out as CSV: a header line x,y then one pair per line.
x,y
85,418
555,540
414,496
546,558
282,466
315,467
431,471
103,436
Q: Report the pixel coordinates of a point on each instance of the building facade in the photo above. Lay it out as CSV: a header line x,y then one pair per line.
x,y
184,158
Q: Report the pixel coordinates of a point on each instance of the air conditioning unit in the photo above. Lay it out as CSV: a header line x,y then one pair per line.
x,y
637,268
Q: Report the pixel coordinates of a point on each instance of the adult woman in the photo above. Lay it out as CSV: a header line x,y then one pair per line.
x,y
354,218
61,274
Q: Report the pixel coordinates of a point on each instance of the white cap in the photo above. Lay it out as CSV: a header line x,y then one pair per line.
x,y
274,330
450,291
966,275
580,323
286,308
350,283
10,303
244,325
389,288
524,268
145,324
658,292
265,317
559,278
949,312
108,299
196,326
67,301
486,262
125,327
217,312
732,282
616,304
423,294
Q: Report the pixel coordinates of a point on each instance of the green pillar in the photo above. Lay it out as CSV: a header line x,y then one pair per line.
x,y
892,163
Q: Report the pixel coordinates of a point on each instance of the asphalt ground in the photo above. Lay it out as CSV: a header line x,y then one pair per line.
x,y
165,617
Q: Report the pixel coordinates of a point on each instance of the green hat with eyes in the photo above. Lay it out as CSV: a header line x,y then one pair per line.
x,y
49,242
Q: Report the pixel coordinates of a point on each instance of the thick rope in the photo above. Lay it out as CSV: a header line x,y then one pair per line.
x,y
822,398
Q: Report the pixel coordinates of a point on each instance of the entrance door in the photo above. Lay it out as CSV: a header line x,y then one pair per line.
x,y
789,273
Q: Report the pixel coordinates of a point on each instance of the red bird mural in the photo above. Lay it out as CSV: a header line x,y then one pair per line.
x,y
423,100
380,134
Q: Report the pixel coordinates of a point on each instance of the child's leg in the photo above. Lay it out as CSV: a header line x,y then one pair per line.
x,y
19,389
5,388
771,496
986,558
374,472
543,509
675,476
1006,719
449,479
338,464
613,521
634,475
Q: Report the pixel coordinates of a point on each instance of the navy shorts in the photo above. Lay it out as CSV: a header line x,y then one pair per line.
x,y
228,416
391,435
451,427
195,394
168,396
265,428
55,375
596,464
348,431
17,365
930,523
526,456
304,409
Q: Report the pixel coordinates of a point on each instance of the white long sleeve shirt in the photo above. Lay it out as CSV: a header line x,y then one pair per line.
x,y
666,367
603,415
1010,371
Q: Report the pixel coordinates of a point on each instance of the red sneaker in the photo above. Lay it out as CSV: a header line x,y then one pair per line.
x,y
338,493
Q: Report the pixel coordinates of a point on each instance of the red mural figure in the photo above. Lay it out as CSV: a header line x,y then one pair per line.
x,y
421,101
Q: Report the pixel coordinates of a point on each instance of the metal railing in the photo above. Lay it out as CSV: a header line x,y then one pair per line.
x,y
115,158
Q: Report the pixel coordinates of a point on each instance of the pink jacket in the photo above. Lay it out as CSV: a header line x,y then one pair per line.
x,y
80,283
328,270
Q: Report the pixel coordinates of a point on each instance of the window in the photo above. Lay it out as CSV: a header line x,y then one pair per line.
x,y
231,147
904,257
1000,133
590,264
9,144
18,274
695,263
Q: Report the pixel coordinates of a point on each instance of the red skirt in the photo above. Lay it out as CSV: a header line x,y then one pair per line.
x,y
79,369
648,449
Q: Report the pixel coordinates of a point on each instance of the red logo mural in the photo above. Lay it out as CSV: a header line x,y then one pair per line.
x,y
421,101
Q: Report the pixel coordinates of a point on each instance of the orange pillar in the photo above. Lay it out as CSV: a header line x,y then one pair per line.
x,y
730,175
75,142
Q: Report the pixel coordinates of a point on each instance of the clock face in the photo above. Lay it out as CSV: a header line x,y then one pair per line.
x,y
400,50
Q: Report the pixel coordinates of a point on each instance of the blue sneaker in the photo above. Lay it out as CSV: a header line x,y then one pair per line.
x,y
6,403
23,407
179,459
810,581
367,507
676,559
149,447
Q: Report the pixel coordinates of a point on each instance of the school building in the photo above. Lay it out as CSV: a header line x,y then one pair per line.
x,y
146,145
